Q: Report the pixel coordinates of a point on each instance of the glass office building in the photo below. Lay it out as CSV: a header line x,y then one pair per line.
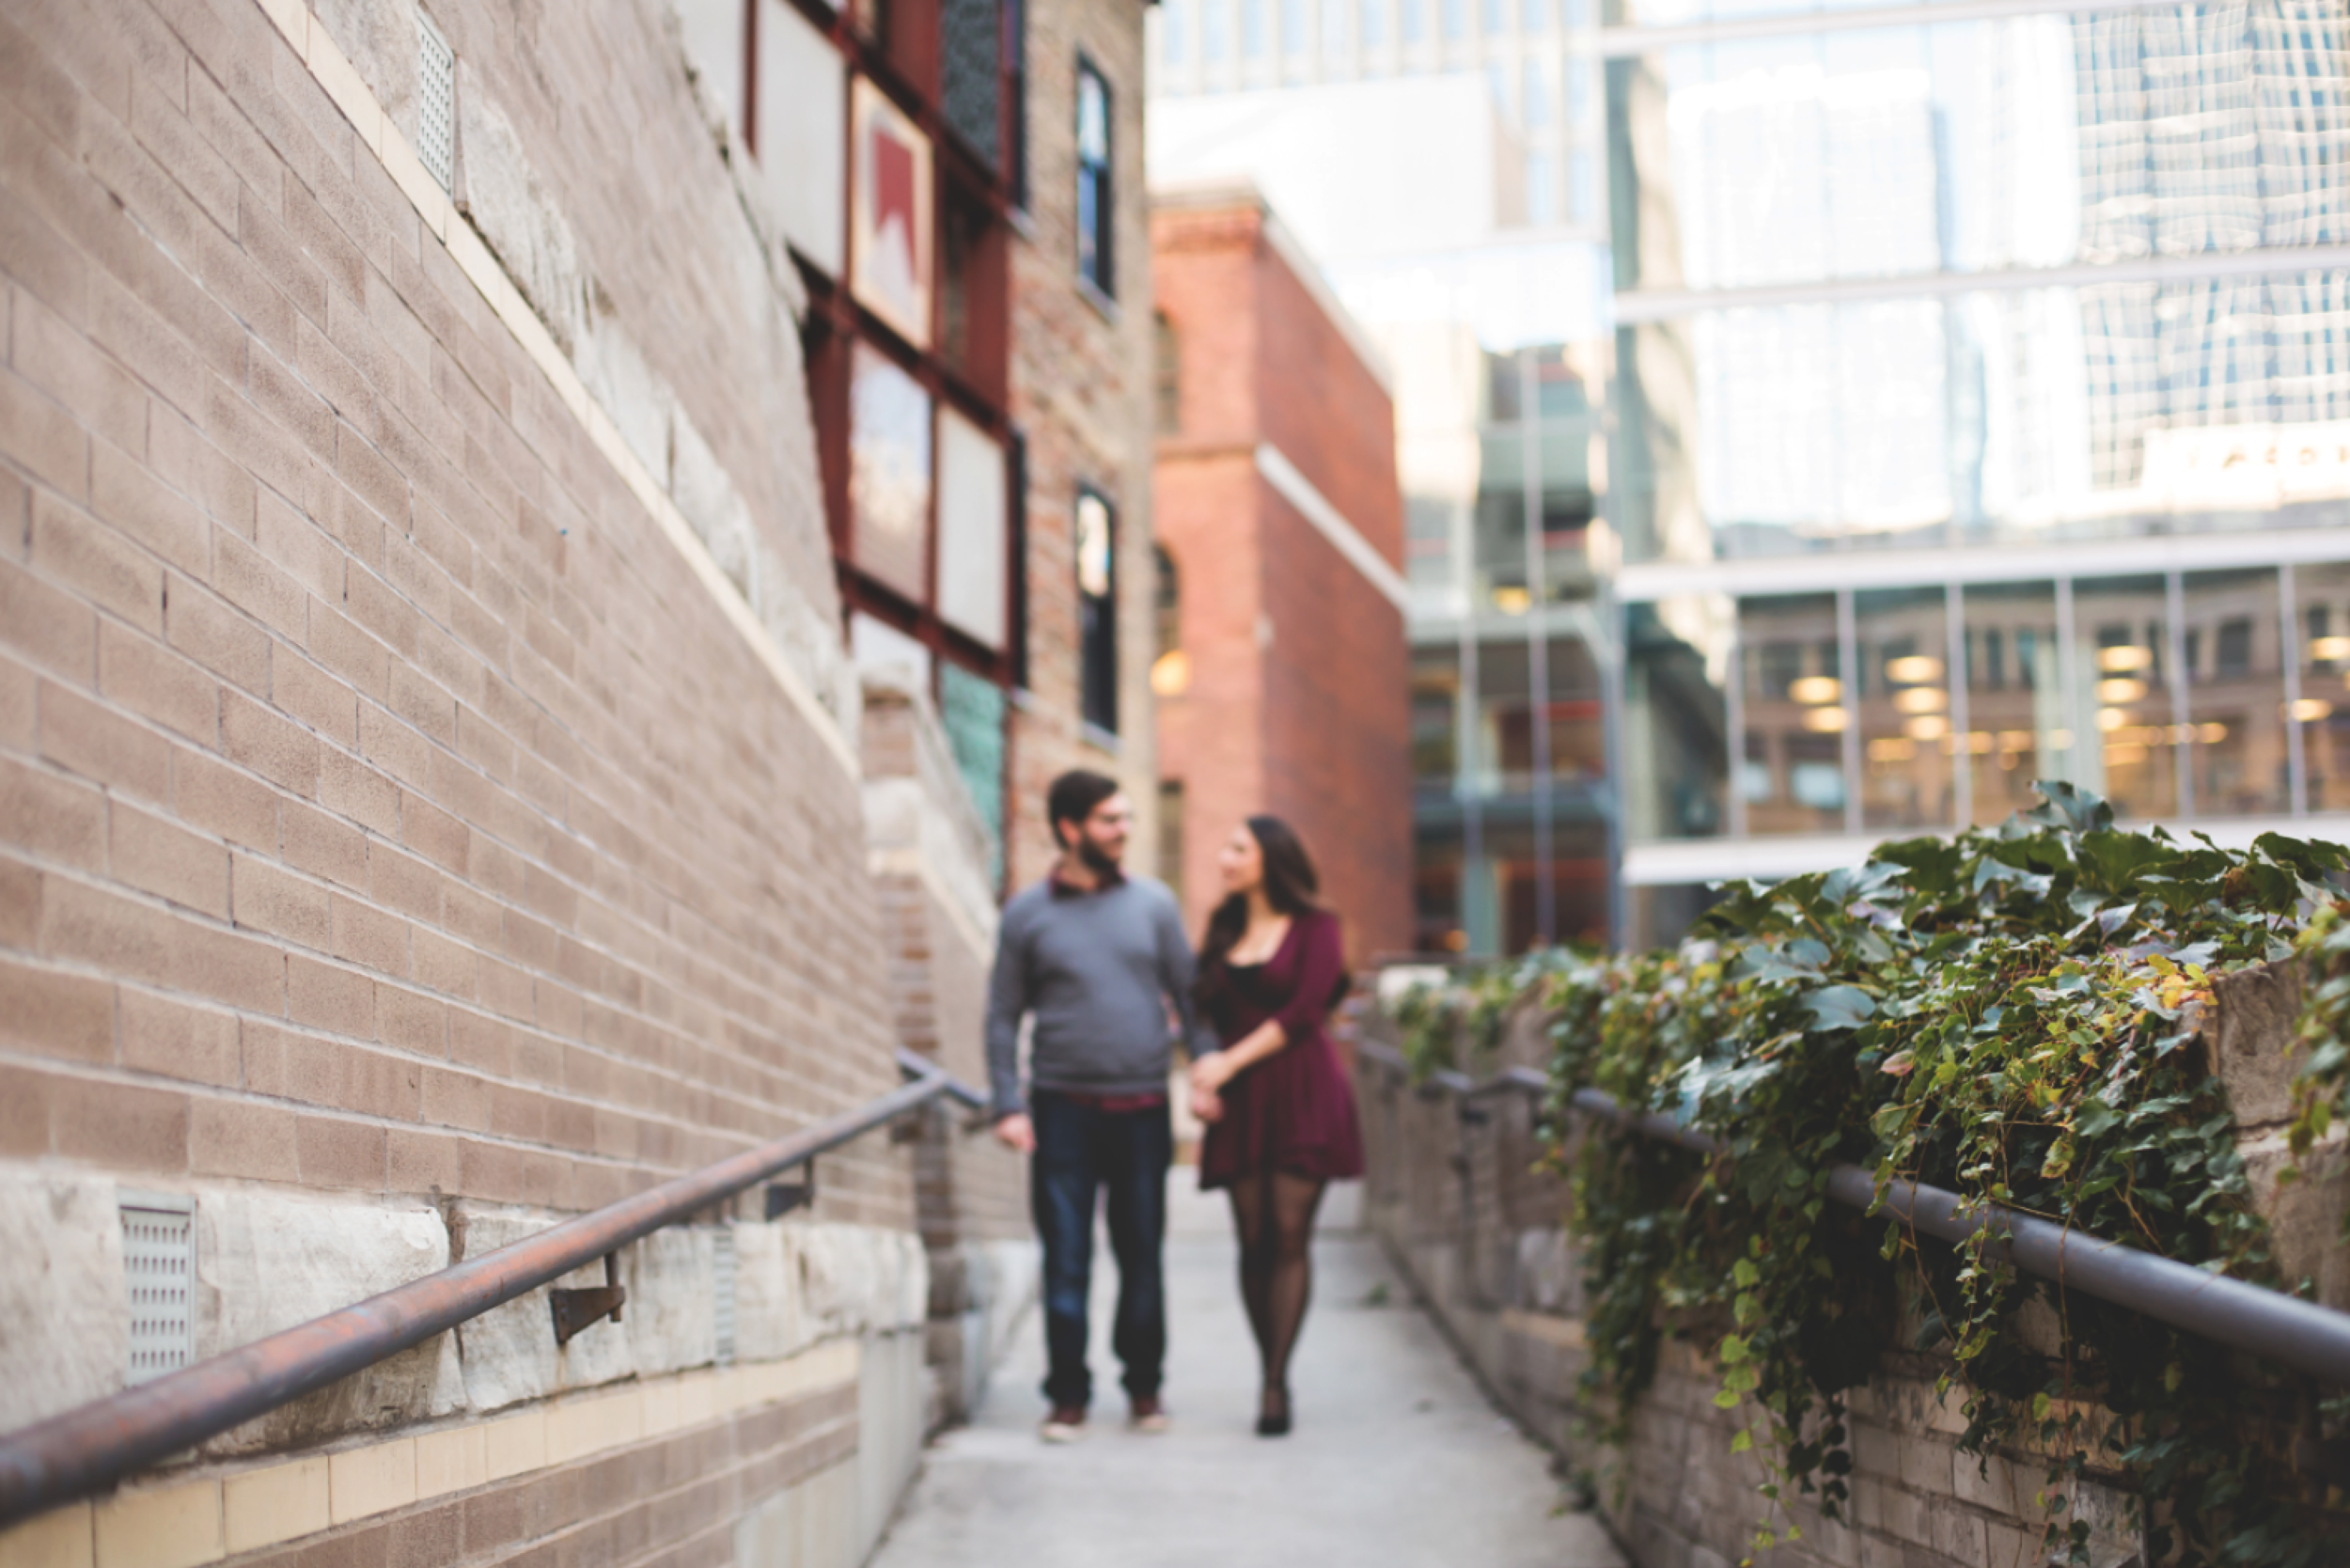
x,y
1981,415
1970,406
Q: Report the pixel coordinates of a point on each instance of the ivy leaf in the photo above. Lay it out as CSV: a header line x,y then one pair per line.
x,y
1838,1007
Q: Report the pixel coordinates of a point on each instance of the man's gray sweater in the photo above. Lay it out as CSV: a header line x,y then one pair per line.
x,y
1097,970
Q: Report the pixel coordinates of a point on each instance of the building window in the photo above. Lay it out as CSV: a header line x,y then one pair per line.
x,y
1167,378
1170,666
1097,609
1016,96
1171,836
1096,212
1455,19
1254,26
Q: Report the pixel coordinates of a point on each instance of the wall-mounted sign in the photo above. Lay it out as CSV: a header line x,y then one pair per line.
x,y
889,215
2252,467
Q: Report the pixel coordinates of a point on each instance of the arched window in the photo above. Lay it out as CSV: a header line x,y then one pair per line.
x,y
1167,375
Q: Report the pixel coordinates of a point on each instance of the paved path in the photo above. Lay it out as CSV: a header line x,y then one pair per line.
x,y
1398,1461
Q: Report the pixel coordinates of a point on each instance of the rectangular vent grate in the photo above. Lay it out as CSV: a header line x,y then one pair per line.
x,y
722,1291
436,103
159,1268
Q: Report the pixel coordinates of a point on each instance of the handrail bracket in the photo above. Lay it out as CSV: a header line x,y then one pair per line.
x,y
576,1310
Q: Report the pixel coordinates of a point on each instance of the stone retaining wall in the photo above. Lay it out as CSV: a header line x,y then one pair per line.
x,y
1480,1233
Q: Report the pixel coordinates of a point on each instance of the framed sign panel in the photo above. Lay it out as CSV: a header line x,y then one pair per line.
x,y
890,214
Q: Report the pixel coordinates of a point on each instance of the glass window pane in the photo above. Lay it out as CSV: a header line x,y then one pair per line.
x,y
1415,20
2016,720
1215,34
2121,643
971,532
1791,771
1097,609
889,474
1456,19
2322,601
1903,655
2235,694
1677,656
1175,32
971,710
1375,23
1435,718
971,42
1255,27
1497,18
1294,28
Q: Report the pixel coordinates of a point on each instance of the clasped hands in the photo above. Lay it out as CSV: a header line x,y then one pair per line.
x,y
1209,1075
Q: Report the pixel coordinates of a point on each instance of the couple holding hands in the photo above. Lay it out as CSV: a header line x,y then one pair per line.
x,y
1096,960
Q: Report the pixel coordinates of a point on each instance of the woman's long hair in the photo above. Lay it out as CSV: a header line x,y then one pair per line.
x,y
1291,886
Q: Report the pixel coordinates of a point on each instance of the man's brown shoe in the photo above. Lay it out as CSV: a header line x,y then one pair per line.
x,y
1066,1424
1148,1415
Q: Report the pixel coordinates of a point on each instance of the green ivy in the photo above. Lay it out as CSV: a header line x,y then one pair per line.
x,y
2007,1015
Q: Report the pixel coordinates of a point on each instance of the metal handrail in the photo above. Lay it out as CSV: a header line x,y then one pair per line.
x,y
2234,1312
87,1450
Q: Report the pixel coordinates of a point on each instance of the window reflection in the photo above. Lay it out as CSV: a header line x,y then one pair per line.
x,y
1677,655
889,474
2122,673
1791,772
2235,685
2321,602
2034,142
2017,731
1906,743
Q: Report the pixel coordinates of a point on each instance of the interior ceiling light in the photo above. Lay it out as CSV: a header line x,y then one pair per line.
x,y
2121,691
2310,708
1913,669
1929,726
1816,689
2327,649
2121,661
2112,718
1921,700
1825,721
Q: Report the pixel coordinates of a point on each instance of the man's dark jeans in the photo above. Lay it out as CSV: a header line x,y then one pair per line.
x,y
1080,1152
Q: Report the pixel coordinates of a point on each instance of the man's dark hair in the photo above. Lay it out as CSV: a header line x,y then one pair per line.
x,y
1074,796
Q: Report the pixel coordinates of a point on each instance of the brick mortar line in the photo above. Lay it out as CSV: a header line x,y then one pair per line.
x,y
465,248
608,1000
130,1077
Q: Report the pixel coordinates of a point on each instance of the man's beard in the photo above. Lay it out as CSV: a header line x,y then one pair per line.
x,y
1097,861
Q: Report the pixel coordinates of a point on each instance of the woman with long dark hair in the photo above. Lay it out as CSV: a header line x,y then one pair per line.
x,y
1280,1118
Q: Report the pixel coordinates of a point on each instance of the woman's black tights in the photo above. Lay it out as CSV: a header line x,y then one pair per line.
x,y
1274,1216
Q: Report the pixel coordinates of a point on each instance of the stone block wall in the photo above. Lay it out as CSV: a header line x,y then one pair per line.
x,y
1482,1235
929,859
429,803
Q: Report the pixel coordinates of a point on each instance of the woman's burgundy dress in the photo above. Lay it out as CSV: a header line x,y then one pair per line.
x,y
1293,1111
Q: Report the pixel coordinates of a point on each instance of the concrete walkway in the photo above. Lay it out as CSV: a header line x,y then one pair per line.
x,y
1398,1461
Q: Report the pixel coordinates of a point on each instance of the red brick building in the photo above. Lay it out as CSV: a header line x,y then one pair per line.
x,y
1281,667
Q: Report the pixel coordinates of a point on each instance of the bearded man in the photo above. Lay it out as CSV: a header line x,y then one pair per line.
x,y
1097,959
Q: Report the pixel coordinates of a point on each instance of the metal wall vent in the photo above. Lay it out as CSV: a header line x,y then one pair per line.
x,y
159,1268
436,103
722,1291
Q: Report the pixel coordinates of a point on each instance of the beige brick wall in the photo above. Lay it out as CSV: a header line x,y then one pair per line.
x,y
387,805
1080,389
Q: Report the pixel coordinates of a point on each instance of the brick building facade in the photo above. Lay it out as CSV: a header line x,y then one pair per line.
x,y
1282,683
435,775
1080,393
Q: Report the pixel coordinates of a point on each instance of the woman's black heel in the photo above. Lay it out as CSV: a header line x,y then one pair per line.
x,y
1273,1424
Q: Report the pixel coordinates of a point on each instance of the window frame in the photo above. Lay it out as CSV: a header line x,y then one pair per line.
x,y
1098,671
1096,184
